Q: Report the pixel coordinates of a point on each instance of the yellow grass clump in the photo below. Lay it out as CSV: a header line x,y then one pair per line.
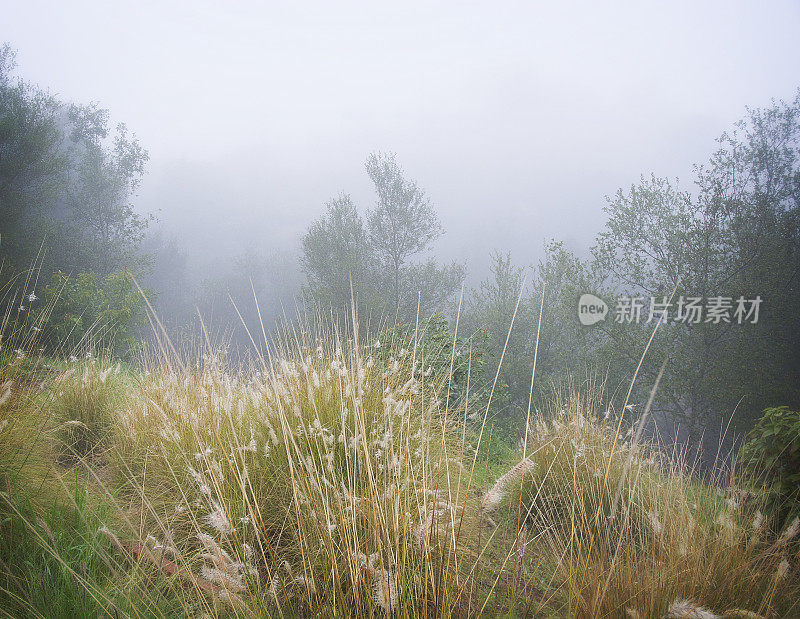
x,y
330,479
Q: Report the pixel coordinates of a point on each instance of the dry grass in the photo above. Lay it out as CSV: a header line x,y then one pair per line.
x,y
632,531
326,481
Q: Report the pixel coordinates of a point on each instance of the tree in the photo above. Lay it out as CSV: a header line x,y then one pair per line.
x,y
169,279
33,163
335,252
377,258
749,199
491,308
428,287
567,351
103,181
565,348
88,310
66,190
226,300
736,236
62,184
402,225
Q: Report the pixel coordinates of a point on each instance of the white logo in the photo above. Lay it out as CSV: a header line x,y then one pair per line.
x,y
591,309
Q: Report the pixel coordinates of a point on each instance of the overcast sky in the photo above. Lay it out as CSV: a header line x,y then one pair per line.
x,y
516,118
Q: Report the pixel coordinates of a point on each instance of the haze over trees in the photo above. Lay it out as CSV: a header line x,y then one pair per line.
x,y
377,255
735,235
324,414
68,181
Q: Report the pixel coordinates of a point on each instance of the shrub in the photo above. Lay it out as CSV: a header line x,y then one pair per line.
x,y
671,538
771,455
458,363
320,480
108,310
576,475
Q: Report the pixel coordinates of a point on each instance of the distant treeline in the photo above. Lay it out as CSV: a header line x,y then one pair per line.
x,y
728,245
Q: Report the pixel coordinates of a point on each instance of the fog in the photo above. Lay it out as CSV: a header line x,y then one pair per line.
x,y
286,141
370,308
516,118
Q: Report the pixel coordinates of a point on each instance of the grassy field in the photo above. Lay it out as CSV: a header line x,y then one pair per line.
x,y
327,479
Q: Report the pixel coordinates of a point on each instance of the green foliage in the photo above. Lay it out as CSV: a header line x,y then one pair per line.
x,y
32,162
66,182
772,453
460,364
53,583
490,311
336,252
55,564
736,235
105,176
564,347
402,225
85,410
108,311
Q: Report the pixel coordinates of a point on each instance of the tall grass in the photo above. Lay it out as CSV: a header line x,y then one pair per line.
x,y
329,479
632,531
323,476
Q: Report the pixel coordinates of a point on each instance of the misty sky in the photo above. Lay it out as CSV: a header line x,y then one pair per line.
x,y
516,118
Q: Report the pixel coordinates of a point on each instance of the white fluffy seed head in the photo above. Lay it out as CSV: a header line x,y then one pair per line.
x,y
217,519
687,609
384,589
791,530
492,499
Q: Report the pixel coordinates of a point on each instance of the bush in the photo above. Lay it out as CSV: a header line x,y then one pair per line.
x,y
576,472
300,475
109,310
771,455
462,372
